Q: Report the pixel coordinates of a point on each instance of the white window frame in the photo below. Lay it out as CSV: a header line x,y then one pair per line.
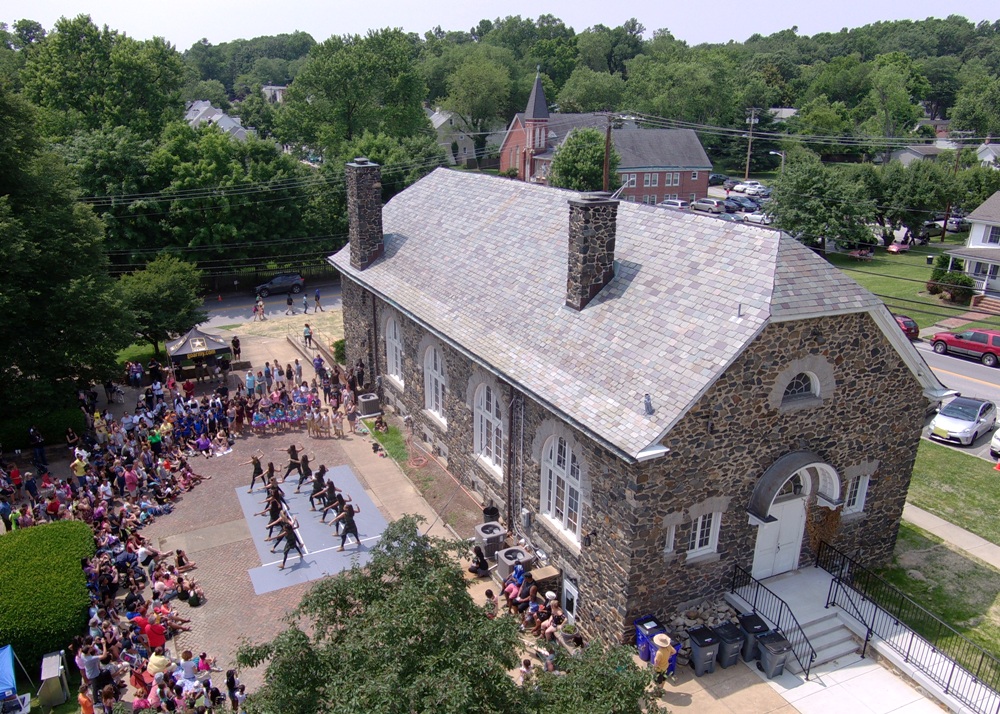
x,y
671,540
855,494
435,383
489,431
652,199
630,179
694,175
677,178
704,536
992,234
570,599
394,350
561,489
654,180
647,180
692,197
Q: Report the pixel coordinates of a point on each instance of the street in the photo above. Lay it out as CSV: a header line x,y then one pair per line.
x,y
235,309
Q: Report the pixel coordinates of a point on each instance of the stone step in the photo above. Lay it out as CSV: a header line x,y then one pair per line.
x,y
827,654
988,303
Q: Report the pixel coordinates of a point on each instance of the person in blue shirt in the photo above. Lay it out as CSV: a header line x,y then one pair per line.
x,y
318,307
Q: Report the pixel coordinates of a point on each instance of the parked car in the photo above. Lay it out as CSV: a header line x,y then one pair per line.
x,y
757,191
729,184
675,203
730,217
763,193
957,223
287,283
930,228
963,420
745,204
731,206
757,217
742,186
909,326
717,179
983,345
709,205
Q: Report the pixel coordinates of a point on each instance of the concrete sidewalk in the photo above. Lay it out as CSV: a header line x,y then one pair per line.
x,y
959,538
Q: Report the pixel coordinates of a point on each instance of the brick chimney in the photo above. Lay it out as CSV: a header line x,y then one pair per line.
x,y
592,222
364,212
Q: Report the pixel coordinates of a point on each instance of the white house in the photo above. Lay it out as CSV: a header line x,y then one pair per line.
x,y
981,252
989,155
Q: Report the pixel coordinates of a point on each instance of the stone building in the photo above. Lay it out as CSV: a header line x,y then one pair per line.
x,y
648,396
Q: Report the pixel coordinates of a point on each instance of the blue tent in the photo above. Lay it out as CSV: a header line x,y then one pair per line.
x,y
8,687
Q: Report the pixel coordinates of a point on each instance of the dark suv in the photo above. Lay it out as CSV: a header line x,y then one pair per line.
x,y
288,283
983,345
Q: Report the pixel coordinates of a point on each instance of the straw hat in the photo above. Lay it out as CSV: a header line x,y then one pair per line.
x,y
661,640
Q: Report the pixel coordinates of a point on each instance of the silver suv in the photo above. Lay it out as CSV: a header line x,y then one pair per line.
x,y
709,205
288,283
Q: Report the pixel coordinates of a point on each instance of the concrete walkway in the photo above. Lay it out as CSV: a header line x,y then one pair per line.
x,y
959,538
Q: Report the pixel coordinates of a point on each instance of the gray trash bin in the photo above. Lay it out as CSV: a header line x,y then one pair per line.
x,y
704,648
730,643
645,629
774,651
751,625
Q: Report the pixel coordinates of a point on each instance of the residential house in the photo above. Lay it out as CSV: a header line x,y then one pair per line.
x,y
652,398
656,164
922,152
783,114
988,155
202,112
981,253
274,93
458,145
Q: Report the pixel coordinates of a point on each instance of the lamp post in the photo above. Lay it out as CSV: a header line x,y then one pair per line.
x,y
782,155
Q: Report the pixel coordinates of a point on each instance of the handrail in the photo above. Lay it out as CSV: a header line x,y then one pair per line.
x,y
962,668
768,605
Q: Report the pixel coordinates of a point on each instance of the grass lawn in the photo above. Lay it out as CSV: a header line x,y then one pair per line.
x,y
392,441
900,280
960,488
137,352
960,590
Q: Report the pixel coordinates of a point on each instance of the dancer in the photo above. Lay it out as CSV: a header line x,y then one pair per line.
x,y
293,459
350,527
305,472
335,502
318,488
258,470
291,539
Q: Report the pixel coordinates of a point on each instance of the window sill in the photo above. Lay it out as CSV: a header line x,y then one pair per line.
x,y
794,405
560,533
852,516
435,419
487,467
395,382
703,557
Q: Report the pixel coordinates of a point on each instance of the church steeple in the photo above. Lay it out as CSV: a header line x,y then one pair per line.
x,y
537,106
536,118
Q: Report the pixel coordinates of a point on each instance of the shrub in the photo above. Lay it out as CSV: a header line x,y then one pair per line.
x,y
340,351
941,269
43,592
959,286
51,422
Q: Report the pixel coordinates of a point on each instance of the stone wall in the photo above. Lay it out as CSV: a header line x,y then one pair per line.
x,y
591,254
364,212
718,452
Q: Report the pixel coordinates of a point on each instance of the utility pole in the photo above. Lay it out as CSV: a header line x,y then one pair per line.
x,y
753,120
954,172
607,155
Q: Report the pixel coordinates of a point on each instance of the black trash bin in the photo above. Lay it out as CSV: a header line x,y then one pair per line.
x,y
730,642
774,651
645,629
751,625
490,514
704,648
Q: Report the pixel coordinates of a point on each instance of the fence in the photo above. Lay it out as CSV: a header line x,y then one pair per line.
x,y
960,667
244,281
772,608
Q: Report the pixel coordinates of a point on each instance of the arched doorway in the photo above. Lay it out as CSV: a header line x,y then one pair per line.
x,y
778,509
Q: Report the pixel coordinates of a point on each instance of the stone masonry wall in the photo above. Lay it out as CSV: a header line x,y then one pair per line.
x,y
591,248
364,212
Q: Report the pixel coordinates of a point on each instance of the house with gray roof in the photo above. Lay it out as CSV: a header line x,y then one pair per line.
x,y
202,112
981,252
656,164
652,400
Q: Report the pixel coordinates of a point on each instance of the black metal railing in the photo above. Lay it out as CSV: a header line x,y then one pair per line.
x,y
960,667
776,611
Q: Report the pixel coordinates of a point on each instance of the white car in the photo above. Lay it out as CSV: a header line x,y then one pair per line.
x,y
963,420
744,185
995,446
755,190
757,217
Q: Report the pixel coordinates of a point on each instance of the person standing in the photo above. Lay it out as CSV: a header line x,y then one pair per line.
x,y
318,307
661,662
236,348
294,462
346,516
307,336
258,469
291,539
305,304
298,372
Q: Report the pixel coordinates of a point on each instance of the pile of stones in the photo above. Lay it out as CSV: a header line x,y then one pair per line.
x,y
709,613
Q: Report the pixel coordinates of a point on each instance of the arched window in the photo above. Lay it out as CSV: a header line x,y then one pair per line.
x,y
489,426
561,485
435,382
394,349
801,386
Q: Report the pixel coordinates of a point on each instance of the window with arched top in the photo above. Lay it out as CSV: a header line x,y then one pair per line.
x,y
435,382
560,497
394,350
489,433
802,385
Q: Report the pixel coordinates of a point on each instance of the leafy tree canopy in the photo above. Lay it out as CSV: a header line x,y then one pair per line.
x,y
163,298
578,163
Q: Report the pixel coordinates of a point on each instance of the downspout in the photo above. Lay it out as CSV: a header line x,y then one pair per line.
x,y
374,353
509,460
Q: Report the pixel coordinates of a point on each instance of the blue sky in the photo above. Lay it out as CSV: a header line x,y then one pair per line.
x,y
184,22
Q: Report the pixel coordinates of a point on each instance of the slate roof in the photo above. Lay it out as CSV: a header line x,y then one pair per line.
x,y
979,252
537,108
482,261
922,150
988,211
660,148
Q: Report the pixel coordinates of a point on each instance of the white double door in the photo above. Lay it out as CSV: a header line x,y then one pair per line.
x,y
780,542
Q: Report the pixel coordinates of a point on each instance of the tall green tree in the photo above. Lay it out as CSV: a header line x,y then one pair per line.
x,y
590,91
354,84
61,323
977,104
478,93
163,298
578,163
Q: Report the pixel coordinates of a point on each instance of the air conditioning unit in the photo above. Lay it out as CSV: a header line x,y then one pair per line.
x,y
489,537
508,558
368,405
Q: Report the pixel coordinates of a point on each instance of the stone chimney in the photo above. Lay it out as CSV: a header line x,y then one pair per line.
x,y
364,212
592,221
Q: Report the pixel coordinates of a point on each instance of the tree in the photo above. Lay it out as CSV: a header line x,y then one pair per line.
x,y
163,298
587,688
403,161
578,163
352,84
590,91
890,109
211,90
257,112
977,104
478,93
816,204
61,323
